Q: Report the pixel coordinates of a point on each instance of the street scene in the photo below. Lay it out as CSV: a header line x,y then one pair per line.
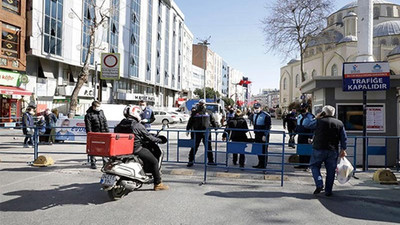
x,y
181,112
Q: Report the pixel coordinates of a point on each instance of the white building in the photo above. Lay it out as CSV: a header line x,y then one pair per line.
x,y
147,34
187,70
197,79
235,91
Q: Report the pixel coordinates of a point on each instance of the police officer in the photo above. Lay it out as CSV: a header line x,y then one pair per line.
x,y
289,122
261,121
304,133
201,119
147,115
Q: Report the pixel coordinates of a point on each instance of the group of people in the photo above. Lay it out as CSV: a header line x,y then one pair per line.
x,y
45,124
201,119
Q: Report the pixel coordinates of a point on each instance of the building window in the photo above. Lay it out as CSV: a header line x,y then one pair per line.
x,y
383,42
149,37
395,41
297,80
284,83
114,25
53,27
377,12
88,16
13,6
10,37
135,31
339,18
334,71
166,53
389,10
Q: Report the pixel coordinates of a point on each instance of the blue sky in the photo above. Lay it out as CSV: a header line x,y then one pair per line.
x,y
236,35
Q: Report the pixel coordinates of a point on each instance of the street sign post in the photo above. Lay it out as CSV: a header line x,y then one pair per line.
x,y
110,66
366,76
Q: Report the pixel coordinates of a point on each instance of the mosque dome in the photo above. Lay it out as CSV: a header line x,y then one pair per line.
x,y
293,61
395,51
354,4
387,28
350,14
326,37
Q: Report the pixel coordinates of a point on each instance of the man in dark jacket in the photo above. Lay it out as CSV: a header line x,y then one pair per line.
x,y
201,119
131,124
304,133
237,122
51,121
147,114
289,122
27,126
329,132
95,121
261,121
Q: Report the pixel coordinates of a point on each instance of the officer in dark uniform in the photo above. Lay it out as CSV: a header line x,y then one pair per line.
x,y
304,133
147,115
201,119
261,121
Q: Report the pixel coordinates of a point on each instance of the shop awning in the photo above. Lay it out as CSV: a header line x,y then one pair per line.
x,y
5,90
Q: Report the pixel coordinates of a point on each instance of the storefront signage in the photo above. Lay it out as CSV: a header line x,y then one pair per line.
x,y
9,78
110,66
366,76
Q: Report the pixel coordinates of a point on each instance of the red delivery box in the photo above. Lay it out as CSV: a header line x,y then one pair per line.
x,y
109,144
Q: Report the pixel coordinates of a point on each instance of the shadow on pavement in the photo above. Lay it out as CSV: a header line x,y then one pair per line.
x,y
357,205
74,194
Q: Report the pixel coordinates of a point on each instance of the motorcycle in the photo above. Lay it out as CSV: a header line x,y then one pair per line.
x,y
124,174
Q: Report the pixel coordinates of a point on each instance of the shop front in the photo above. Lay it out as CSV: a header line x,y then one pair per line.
x,y
12,98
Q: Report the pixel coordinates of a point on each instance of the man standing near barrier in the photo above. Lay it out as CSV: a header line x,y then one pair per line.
x,y
27,126
200,120
261,121
329,131
95,121
289,122
147,114
303,133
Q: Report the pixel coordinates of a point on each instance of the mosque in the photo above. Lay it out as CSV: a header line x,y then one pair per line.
x,y
323,66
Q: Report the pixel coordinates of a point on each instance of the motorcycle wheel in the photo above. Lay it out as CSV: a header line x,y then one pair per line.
x,y
117,193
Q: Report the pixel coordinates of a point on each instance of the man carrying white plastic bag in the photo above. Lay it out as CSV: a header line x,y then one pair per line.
x,y
329,132
344,170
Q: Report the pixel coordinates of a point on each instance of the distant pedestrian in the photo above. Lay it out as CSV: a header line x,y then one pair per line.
x,y
230,113
329,132
289,122
95,121
261,121
28,126
200,120
303,133
51,121
237,122
147,114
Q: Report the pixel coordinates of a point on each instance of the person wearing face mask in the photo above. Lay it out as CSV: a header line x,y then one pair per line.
x,y
201,119
147,114
64,134
304,133
231,114
95,121
261,121
27,126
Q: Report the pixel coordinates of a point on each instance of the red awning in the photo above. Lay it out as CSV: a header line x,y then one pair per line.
x,y
5,90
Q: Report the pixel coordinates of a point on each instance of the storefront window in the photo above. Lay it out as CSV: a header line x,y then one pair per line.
x,y
12,6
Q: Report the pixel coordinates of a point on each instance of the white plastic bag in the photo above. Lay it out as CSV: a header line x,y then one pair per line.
x,y
344,170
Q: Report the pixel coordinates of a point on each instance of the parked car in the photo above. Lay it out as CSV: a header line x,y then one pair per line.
x,y
182,117
165,116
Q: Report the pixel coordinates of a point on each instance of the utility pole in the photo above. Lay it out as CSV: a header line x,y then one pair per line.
x,y
205,44
95,81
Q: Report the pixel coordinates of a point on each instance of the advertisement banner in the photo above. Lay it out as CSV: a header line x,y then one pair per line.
x,y
9,78
74,129
366,76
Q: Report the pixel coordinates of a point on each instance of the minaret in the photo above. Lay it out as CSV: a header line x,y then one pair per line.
x,y
365,31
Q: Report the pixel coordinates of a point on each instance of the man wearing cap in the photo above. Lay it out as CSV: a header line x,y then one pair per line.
x,y
147,115
329,132
261,121
201,119
304,133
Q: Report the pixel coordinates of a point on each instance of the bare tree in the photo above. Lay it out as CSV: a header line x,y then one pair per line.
x,y
291,22
97,15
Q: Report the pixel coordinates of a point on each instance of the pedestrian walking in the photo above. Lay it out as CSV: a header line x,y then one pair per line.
x,y
147,114
51,121
329,132
237,122
289,122
200,120
261,121
303,133
230,113
95,121
27,126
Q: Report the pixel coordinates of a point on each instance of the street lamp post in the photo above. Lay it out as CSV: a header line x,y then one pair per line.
x,y
205,44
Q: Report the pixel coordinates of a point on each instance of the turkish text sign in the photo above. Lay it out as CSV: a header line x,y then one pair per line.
x,y
110,66
366,76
